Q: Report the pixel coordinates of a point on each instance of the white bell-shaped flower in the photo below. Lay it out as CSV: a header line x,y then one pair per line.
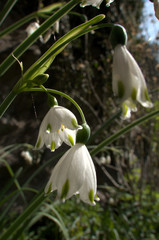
x,y
95,3
128,81
74,173
32,28
58,126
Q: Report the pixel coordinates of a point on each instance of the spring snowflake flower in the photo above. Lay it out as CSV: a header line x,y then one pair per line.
x,y
128,81
74,173
32,28
58,126
95,3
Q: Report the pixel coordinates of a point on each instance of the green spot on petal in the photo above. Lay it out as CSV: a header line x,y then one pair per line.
x,y
91,197
49,188
38,142
70,138
146,95
52,146
133,94
121,89
125,109
74,122
65,190
48,128
97,198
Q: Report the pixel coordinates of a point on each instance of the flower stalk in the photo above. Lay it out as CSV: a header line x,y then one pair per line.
x,y
53,91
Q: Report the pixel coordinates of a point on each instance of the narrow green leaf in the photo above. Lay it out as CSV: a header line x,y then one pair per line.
x,y
7,8
10,182
4,200
8,62
124,130
29,17
12,175
23,217
46,59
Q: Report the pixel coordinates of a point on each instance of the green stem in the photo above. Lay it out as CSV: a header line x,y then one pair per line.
x,y
123,131
23,217
61,94
7,101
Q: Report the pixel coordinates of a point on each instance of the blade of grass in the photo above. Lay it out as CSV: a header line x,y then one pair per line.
x,y
51,207
29,17
124,130
23,217
15,180
12,148
42,64
64,230
43,213
10,183
27,182
7,8
16,191
8,62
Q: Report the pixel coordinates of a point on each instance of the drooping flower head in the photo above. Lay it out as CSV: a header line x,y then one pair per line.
x,y
127,79
75,172
58,126
32,28
95,3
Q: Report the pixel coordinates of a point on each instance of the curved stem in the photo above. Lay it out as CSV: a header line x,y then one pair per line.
x,y
123,131
43,89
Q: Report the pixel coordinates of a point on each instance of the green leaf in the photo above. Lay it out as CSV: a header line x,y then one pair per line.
x,y
23,217
29,17
42,64
8,62
124,130
7,8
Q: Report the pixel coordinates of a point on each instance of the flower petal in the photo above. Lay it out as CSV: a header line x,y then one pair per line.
x,y
66,117
88,189
52,131
68,136
94,3
70,168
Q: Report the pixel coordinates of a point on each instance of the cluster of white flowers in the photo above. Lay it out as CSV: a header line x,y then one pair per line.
x,y
75,171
